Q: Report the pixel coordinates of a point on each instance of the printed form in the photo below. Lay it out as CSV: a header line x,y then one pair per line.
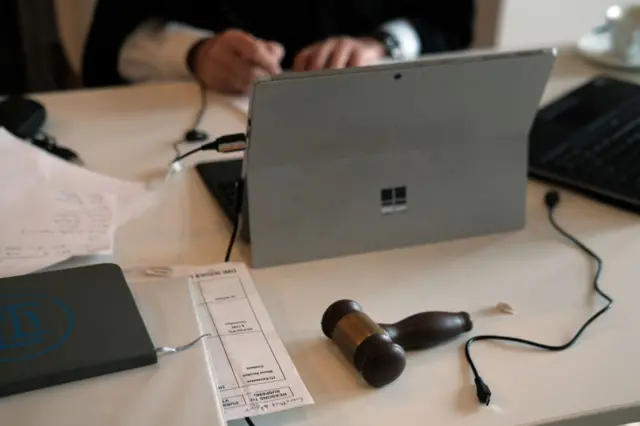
x,y
255,374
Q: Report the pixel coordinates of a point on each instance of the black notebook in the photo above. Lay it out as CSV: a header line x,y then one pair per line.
x,y
68,325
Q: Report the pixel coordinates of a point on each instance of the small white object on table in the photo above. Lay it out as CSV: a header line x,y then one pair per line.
x,y
129,132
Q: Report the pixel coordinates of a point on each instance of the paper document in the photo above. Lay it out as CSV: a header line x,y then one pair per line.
x,y
254,372
43,228
82,222
51,210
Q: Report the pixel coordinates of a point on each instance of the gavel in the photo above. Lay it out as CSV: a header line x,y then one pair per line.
x,y
378,351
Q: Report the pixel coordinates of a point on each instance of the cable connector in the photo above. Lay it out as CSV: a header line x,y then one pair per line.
x,y
225,144
195,135
483,391
551,199
228,143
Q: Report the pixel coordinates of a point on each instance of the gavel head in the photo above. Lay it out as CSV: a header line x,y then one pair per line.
x,y
366,345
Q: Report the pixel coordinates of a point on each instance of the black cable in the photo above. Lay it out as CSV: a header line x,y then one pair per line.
x,y
552,198
203,107
225,144
236,219
195,134
176,147
49,143
232,240
189,153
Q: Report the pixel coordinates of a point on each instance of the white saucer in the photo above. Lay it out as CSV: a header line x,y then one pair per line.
x,y
596,46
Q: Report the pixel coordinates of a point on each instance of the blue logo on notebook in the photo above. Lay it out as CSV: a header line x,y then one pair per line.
x,y
31,326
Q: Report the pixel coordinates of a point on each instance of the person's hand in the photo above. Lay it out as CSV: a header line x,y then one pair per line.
x,y
231,61
339,52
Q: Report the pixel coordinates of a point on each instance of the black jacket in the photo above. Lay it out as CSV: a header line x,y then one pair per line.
x,y
442,24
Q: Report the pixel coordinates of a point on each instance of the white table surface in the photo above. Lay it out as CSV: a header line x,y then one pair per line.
x,y
128,132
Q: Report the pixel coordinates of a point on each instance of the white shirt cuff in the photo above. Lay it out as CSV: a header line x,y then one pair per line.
x,y
407,36
158,51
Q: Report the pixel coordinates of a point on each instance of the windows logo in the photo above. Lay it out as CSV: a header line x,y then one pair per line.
x,y
393,200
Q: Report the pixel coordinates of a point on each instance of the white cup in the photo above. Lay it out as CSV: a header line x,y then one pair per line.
x,y
624,24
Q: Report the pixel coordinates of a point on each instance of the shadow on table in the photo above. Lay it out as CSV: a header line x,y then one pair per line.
x,y
325,370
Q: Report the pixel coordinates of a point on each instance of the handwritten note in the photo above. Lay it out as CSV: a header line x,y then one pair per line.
x,y
48,227
264,408
51,210
17,251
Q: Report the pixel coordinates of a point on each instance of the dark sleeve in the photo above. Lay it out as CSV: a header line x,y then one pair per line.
x,y
443,25
113,22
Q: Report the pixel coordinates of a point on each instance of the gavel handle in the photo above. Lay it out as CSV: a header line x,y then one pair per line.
x,y
428,329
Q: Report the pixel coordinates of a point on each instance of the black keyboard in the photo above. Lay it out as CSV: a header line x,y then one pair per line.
x,y
589,141
221,179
